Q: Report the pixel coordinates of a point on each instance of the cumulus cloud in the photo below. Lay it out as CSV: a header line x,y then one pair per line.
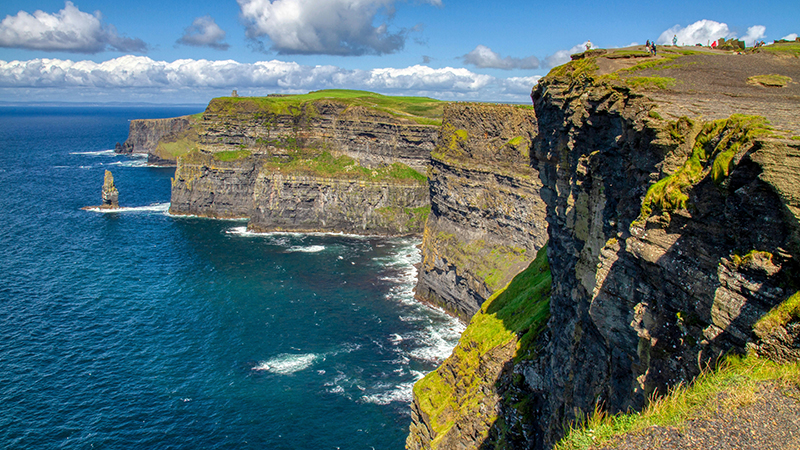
x,y
754,33
700,32
485,58
705,31
204,32
563,56
323,27
69,30
141,74
790,37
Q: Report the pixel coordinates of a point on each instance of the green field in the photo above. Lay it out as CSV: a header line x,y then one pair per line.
x,y
423,110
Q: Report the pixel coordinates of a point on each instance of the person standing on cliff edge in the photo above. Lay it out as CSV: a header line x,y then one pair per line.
x,y
588,45
674,40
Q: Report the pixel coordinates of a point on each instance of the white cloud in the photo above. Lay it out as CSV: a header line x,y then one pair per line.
x,y
754,33
790,37
198,78
485,58
707,31
563,56
204,32
700,32
329,27
69,30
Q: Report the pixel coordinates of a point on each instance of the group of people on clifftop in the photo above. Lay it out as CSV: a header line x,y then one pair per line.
x,y
651,47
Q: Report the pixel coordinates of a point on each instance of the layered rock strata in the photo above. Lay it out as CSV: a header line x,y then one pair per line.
x,y
145,135
368,135
487,217
673,230
317,165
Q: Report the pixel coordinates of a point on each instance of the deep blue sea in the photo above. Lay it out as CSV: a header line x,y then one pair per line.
x,y
139,330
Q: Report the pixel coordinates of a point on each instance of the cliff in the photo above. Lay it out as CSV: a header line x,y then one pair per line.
x,y
340,161
372,129
673,228
162,139
487,217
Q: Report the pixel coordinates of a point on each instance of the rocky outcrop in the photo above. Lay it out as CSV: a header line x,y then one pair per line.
x,y
144,135
673,229
110,193
487,217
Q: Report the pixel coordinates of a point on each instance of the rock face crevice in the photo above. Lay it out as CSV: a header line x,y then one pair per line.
x,y
487,218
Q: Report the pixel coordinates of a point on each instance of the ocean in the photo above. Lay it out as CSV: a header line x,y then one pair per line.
x,y
139,330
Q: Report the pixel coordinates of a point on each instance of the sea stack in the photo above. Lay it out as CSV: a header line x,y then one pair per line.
x,y
110,192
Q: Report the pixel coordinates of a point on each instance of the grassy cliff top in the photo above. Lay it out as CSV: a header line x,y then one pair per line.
x,y
423,110
701,82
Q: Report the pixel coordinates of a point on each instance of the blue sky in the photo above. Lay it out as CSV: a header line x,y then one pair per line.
x,y
190,51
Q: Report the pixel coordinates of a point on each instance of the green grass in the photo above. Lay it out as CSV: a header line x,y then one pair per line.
x,y
712,154
785,49
423,110
733,384
231,155
650,82
781,315
520,310
326,165
772,80
414,218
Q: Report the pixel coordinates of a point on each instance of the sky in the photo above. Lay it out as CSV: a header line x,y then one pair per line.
x,y
187,52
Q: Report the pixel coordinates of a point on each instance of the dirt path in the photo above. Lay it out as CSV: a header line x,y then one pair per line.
x,y
770,422
713,84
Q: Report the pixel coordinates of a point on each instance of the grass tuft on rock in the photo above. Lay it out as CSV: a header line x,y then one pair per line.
x,y
712,155
733,384
772,80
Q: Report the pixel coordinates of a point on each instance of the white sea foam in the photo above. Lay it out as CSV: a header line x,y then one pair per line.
x,y
131,163
97,153
285,363
400,393
306,249
155,207
438,341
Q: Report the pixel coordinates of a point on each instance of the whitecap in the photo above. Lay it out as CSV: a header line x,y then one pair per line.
x,y
438,341
131,163
110,152
285,363
400,393
155,207
306,249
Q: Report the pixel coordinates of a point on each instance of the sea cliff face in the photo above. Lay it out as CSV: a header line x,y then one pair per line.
x,y
371,136
145,135
307,164
487,217
673,229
